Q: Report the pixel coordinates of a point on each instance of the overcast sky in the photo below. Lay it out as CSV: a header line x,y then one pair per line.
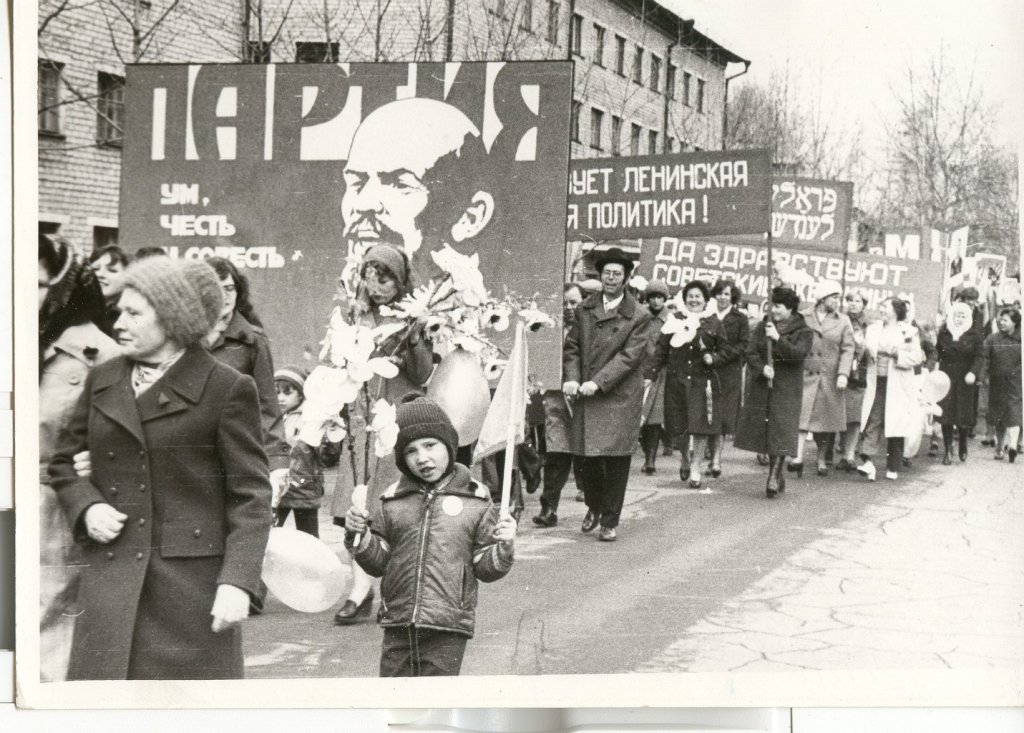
x,y
859,49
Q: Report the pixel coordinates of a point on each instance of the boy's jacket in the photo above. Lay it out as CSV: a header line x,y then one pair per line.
x,y
431,545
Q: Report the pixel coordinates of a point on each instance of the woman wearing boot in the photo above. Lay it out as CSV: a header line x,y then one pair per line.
x,y
654,389
1003,367
960,351
894,350
856,301
386,279
770,420
826,373
692,390
730,366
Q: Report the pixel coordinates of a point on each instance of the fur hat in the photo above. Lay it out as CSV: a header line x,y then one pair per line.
x,y
826,288
423,418
294,374
657,287
185,294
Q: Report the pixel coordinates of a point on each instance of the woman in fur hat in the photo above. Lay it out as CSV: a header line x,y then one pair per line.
x,y
174,518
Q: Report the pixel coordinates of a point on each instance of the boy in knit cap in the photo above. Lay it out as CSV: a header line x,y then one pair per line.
x,y
303,490
434,534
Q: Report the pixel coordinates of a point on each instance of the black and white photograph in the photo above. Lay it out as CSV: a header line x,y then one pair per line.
x,y
573,352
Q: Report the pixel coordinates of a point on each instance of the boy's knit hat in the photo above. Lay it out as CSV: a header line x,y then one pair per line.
x,y
185,294
423,418
294,374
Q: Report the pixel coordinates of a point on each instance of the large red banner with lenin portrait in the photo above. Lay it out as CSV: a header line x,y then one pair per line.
x,y
283,168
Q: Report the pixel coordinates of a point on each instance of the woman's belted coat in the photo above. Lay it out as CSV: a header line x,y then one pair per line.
x,y
824,404
185,462
771,417
607,348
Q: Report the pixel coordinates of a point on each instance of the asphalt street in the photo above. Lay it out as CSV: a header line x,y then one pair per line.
x,y
690,564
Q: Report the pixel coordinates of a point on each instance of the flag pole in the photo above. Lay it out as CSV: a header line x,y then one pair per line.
x,y
513,421
771,277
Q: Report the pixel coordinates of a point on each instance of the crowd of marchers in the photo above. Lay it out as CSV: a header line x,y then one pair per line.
x,y
169,442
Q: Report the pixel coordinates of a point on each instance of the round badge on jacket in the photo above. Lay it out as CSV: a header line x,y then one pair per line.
x,y
452,506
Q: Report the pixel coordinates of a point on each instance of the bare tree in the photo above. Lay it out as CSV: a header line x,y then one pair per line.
x,y
944,168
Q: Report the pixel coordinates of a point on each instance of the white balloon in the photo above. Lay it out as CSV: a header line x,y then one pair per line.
x,y
460,388
303,572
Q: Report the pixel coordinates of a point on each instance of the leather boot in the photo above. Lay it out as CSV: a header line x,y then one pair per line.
x,y
821,441
774,466
651,437
964,433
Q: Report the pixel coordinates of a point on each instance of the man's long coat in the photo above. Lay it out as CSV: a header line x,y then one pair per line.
x,y
607,348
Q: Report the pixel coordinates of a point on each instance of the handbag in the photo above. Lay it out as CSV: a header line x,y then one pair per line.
x,y
858,378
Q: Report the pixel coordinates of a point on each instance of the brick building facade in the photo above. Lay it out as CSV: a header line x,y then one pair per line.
x,y
645,80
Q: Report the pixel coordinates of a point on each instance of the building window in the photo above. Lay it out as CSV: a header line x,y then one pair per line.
x,y
598,45
687,83
596,123
49,228
638,66
670,81
316,52
553,8
258,52
700,96
620,55
109,108
652,142
655,74
616,135
49,96
576,35
526,17
634,139
103,237
574,121
671,145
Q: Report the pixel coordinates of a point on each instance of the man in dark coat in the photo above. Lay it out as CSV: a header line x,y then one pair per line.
x,y
603,356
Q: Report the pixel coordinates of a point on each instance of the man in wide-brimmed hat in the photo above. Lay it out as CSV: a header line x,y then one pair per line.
x,y
603,355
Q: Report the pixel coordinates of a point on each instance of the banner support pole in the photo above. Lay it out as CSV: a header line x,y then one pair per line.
x,y
513,420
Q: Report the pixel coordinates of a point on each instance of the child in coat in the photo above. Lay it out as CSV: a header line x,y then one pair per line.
x,y
303,489
432,536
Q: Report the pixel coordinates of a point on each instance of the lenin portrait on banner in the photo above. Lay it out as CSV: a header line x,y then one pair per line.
x,y
416,178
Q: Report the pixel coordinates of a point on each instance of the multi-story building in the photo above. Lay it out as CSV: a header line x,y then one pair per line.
x,y
646,80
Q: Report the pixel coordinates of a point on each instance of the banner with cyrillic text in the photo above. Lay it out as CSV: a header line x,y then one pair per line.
x,y
678,194
286,168
812,213
677,261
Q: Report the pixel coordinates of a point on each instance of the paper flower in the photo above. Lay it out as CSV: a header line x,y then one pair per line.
x,y
494,369
534,319
412,306
384,427
683,325
496,317
351,347
464,273
639,282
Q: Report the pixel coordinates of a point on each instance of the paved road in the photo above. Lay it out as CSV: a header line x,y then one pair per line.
x,y
838,573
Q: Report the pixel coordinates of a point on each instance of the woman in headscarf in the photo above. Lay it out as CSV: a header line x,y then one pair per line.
x,y
385,278
736,327
771,408
693,392
1002,366
960,350
71,343
888,416
237,339
175,516
856,302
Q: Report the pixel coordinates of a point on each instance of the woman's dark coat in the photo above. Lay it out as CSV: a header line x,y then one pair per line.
x,y
771,418
687,379
729,362
185,462
245,348
956,359
607,348
1003,368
